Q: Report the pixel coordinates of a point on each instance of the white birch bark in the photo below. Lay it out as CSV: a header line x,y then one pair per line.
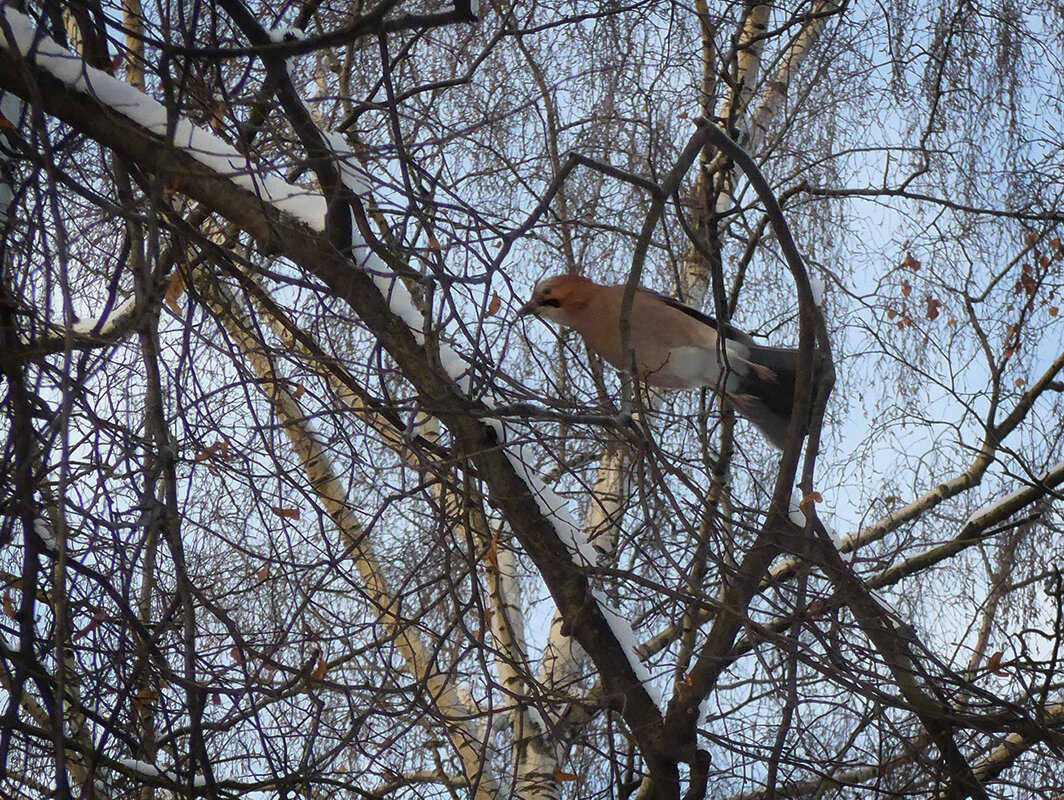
x,y
332,494
752,126
501,569
774,96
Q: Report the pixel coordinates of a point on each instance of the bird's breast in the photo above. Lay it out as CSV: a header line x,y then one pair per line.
x,y
679,367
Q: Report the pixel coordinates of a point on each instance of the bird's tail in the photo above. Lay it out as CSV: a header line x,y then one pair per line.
x,y
765,394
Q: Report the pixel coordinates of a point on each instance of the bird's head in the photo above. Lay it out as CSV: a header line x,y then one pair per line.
x,y
559,299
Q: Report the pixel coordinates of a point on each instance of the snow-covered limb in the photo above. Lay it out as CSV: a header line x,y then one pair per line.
x,y
285,219
1004,507
44,531
816,285
302,203
969,535
1015,744
88,332
552,507
977,526
622,629
30,43
945,489
104,326
351,172
145,770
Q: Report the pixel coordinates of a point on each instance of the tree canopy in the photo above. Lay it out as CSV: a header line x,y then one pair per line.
x,y
294,505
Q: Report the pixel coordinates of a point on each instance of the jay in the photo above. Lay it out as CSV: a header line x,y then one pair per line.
x,y
676,347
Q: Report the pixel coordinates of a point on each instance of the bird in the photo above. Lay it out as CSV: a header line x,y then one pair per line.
x,y
676,347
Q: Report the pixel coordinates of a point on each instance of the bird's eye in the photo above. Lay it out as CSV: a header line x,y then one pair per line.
x,y
547,291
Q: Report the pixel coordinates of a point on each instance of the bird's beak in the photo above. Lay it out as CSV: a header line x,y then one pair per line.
x,y
528,308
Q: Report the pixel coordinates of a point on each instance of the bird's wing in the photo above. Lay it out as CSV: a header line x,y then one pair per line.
x,y
678,347
729,331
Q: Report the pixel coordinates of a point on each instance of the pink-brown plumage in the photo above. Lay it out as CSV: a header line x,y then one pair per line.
x,y
675,347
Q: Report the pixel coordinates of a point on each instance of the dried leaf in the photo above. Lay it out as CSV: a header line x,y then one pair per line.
x,y
94,623
218,117
320,670
933,305
994,663
1055,243
263,573
299,392
237,654
219,449
891,313
492,554
1031,239
906,289
910,262
809,500
1053,311
174,291
285,513
494,304
1020,383
564,777
143,698
9,606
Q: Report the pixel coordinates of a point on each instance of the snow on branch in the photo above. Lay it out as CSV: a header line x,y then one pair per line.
x,y
999,510
25,43
304,204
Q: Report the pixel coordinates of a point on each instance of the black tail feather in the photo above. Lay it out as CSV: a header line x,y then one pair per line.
x,y
769,400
